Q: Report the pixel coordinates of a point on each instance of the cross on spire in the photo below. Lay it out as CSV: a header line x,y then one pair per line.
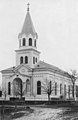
x,y
28,7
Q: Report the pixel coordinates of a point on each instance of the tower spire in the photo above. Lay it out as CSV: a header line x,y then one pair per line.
x,y
28,7
28,27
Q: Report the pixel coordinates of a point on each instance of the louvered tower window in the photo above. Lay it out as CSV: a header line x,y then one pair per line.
x,y
30,41
33,60
26,59
35,43
21,60
24,41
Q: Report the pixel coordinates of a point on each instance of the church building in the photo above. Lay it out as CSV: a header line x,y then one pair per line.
x,y
32,78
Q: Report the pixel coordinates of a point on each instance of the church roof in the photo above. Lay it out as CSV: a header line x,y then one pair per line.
x,y
43,65
12,69
8,69
40,66
28,27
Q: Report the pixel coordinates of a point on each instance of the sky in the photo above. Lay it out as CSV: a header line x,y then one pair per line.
x,y
56,23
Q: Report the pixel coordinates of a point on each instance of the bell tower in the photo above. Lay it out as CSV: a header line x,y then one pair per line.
x,y
27,52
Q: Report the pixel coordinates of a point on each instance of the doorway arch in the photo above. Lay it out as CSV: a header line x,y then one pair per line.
x,y
17,87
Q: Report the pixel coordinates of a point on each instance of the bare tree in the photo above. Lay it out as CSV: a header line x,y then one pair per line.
x,y
73,75
18,91
48,87
4,93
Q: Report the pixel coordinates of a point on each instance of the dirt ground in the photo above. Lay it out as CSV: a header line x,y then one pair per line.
x,y
51,114
41,113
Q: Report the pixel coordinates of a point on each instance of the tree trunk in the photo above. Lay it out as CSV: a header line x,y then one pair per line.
x,y
48,99
73,90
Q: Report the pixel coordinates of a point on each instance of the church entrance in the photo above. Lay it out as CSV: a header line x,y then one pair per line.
x,y
17,87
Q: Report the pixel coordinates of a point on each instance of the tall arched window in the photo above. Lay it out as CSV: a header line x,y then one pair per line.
x,y
9,88
36,60
21,60
27,85
64,90
35,43
69,91
0,93
38,88
30,41
26,59
55,88
60,89
77,91
23,41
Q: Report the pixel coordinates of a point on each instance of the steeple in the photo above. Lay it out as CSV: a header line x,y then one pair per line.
x,y
27,52
28,27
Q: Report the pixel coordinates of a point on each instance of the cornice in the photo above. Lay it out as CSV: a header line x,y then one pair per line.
x,y
28,49
51,70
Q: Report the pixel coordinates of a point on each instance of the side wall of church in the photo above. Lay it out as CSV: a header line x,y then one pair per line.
x,y
54,78
44,77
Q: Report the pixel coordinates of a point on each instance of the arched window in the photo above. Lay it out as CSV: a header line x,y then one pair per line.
x,y
27,85
23,41
35,43
36,60
65,90
9,88
38,88
55,88
60,89
77,91
21,60
33,60
0,93
30,41
26,59
69,91
50,87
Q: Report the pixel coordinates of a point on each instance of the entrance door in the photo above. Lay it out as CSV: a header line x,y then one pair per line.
x,y
17,87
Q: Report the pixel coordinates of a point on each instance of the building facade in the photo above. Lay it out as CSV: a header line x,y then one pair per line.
x,y
30,77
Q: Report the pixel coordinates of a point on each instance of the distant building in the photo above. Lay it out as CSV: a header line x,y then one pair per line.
x,y
31,76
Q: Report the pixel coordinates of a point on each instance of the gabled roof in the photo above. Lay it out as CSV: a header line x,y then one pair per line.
x,y
40,66
28,27
44,65
8,69
15,68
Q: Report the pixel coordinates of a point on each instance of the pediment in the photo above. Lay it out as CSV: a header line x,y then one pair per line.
x,y
23,69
